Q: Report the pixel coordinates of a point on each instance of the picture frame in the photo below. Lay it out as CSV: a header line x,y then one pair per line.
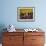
x,y
26,14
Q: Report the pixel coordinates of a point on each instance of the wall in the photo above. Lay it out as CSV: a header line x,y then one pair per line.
x,y
9,13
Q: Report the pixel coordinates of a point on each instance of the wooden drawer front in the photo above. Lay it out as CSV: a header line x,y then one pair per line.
x,y
34,33
13,44
18,41
13,33
12,39
37,39
37,45
27,41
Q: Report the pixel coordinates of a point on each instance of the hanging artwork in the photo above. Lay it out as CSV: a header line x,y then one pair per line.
x,y
26,14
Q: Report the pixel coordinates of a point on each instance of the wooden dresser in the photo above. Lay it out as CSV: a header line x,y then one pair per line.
x,y
23,39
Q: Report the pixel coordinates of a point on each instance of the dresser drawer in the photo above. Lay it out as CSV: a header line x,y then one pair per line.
x,y
37,39
13,44
34,33
12,39
37,44
13,33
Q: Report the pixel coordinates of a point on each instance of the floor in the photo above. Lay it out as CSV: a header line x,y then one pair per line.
x,y
0,44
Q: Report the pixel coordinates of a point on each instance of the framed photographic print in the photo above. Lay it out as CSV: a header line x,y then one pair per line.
x,y
26,14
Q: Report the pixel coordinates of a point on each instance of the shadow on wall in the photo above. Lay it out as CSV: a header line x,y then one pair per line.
x,y
2,26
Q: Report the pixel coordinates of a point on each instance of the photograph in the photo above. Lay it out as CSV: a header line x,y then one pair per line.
x,y
25,14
